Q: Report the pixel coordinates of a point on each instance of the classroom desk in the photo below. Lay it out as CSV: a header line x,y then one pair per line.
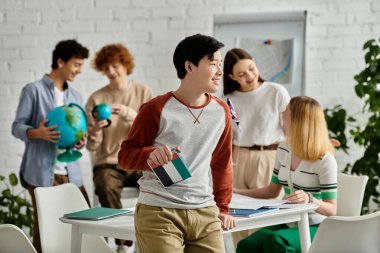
x,y
122,227
297,214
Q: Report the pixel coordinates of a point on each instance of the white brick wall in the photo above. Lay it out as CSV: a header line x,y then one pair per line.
x,y
29,30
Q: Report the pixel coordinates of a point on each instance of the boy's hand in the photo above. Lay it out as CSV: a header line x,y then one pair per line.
x,y
44,133
115,108
228,221
99,125
161,155
81,143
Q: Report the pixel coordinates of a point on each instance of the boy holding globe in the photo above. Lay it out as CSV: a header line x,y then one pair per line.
x,y
39,167
124,97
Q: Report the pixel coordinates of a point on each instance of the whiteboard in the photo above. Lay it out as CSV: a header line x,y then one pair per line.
x,y
277,26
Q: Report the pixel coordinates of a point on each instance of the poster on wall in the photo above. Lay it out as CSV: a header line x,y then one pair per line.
x,y
276,40
273,57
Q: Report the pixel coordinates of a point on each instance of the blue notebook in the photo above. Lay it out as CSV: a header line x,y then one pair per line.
x,y
250,212
96,213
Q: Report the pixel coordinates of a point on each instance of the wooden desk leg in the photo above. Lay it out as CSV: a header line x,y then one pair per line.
x,y
228,243
303,226
76,239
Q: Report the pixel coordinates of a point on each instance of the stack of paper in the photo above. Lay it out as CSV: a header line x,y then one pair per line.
x,y
244,202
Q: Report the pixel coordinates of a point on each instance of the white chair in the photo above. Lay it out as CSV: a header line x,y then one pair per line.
x,y
348,234
350,194
52,203
14,240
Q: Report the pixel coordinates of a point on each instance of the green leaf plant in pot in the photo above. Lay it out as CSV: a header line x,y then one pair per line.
x,y
14,207
365,134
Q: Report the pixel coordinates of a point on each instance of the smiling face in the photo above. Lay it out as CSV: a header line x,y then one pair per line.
x,y
245,72
208,74
70,69
115,72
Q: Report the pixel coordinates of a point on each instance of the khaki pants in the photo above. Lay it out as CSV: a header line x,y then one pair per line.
x,y
252,169
169,230
58,180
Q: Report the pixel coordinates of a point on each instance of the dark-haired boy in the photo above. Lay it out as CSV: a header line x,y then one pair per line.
x,y
189,214
39,167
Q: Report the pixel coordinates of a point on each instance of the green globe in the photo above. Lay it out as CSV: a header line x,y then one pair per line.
x,y
72,124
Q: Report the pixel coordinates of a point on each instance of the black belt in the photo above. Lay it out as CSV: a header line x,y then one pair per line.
x,y
259,147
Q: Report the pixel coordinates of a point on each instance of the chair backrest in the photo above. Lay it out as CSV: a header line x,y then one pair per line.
x,y
350,194
52,203
14,240
348,234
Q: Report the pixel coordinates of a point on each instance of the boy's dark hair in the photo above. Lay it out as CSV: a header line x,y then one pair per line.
x,y
193,49
67,49
232,57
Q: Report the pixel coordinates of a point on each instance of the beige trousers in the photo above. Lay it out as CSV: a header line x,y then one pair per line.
x,y
252,169
170,230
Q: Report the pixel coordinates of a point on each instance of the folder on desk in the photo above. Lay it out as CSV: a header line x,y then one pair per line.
x,y
237,212
96,213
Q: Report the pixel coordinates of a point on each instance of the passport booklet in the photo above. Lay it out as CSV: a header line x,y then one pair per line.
x,y
173,172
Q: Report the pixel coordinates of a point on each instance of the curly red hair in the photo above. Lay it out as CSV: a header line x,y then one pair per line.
x,y
111,54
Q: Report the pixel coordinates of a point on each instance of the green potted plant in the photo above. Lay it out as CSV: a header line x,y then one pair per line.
x,y
366,135
14,208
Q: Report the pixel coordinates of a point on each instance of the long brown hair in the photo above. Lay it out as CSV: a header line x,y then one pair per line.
x,y
232,57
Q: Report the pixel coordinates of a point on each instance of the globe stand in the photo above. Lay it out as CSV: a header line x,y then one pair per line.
x,y
69,156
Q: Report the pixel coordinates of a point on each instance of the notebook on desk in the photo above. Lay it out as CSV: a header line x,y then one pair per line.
x,y
96,213
244,202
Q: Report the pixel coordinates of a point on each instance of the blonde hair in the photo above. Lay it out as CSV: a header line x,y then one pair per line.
x,y
308,136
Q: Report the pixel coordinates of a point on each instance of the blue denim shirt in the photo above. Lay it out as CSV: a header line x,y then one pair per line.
x,y
37,99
